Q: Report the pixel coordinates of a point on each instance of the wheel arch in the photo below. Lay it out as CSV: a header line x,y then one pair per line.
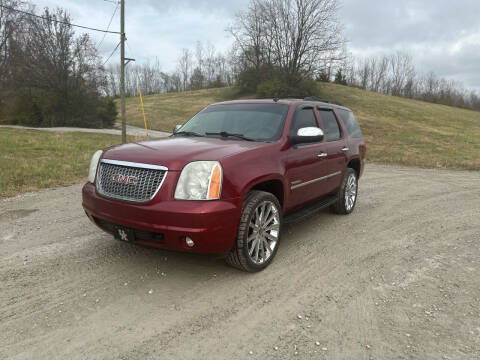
x,y
356,165
272,185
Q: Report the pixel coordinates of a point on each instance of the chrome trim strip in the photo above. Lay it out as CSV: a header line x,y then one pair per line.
x,y
134,164
131,164
315,180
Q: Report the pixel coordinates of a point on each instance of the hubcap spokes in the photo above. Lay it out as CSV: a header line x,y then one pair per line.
x,y
350,192
263,232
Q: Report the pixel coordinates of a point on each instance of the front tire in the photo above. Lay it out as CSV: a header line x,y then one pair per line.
x,y
258,233
347,196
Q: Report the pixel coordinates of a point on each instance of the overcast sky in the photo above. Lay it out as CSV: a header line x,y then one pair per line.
x,y
442,35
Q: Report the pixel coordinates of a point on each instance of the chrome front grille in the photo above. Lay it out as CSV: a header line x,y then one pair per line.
x,y
128,181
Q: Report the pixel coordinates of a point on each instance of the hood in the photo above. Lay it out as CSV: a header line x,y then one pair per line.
x,y
176,152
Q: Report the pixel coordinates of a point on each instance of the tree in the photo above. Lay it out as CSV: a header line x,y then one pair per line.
x,y
364,74
10,22
199,55
287,39
378,73
323,76
197,79
53,77
402,70
184,66
340,78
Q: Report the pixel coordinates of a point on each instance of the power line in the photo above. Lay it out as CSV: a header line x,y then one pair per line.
x,y
113,52
59,21
108,27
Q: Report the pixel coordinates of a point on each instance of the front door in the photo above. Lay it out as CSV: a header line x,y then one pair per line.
x,y
306,163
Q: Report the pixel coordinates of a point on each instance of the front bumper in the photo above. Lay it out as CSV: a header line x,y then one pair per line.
x,y
212,225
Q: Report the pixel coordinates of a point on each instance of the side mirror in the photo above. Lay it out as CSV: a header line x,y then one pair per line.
x,y
307,135
176,128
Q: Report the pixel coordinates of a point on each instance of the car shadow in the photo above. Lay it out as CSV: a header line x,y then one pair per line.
x,y
142,260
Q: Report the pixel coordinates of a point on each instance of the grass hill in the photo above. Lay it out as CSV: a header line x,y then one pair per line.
x,y
397,130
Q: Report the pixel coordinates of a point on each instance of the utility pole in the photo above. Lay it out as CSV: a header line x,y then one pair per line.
x,y
122,71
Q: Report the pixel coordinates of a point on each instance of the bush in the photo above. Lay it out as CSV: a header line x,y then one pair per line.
x,y
250,78
107,112
280,88
340,78
40,108
269,82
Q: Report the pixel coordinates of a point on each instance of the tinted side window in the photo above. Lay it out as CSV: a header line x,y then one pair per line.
x,y
350,123
330,124
303,118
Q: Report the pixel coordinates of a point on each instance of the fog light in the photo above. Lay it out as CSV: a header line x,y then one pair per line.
x,y
189,242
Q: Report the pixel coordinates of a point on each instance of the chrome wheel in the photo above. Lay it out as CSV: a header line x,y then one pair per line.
x,y
263,232
350,192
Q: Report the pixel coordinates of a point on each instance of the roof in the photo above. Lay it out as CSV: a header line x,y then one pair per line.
x,y
287,101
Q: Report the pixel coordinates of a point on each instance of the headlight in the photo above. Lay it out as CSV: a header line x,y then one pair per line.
x,y
92,171
200,180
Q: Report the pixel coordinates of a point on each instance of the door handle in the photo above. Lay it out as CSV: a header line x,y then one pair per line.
x,y
345,149
322,155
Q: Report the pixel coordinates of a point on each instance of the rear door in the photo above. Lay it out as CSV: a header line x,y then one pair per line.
x,y
306,163
336,148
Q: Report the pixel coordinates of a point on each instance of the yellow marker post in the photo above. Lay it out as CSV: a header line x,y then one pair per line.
x,y
143,111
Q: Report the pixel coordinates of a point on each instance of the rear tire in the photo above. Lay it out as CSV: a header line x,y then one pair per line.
x,y
258,233
347,196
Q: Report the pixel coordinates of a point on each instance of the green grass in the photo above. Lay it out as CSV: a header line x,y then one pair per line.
x,y
397,131
413,133
165,111
32,160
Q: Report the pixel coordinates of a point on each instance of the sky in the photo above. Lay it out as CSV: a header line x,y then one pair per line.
x,y
441,35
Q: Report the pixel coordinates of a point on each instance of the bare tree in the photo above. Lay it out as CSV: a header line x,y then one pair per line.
x,y
364,72
210,62
199,57
396,75
10,22
55,77
378,73
402,69
250,34
185,67
293,35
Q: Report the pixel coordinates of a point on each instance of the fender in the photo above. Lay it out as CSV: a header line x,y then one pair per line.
x,y
265,178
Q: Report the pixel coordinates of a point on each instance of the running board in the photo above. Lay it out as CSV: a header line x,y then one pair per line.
x,y
310,209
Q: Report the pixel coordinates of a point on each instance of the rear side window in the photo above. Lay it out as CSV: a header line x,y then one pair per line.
x,y
303,118
330,124
350,123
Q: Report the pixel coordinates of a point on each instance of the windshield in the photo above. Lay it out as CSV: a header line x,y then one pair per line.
x,y
259,122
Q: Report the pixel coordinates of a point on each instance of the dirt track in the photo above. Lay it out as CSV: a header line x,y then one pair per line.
x,y
398,279
131,130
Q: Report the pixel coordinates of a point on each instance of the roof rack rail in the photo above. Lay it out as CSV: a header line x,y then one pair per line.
x,y
291,97
327,101
278,97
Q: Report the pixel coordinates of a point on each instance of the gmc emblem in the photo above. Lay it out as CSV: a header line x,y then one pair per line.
x,y
124,179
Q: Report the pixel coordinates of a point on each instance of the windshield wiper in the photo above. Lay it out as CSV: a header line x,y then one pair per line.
x,y
226,134
188,133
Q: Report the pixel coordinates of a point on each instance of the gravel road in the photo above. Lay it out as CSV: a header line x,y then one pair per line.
x,y
397,279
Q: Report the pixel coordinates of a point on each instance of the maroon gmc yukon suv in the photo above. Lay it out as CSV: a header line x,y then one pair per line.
x,y
229,179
